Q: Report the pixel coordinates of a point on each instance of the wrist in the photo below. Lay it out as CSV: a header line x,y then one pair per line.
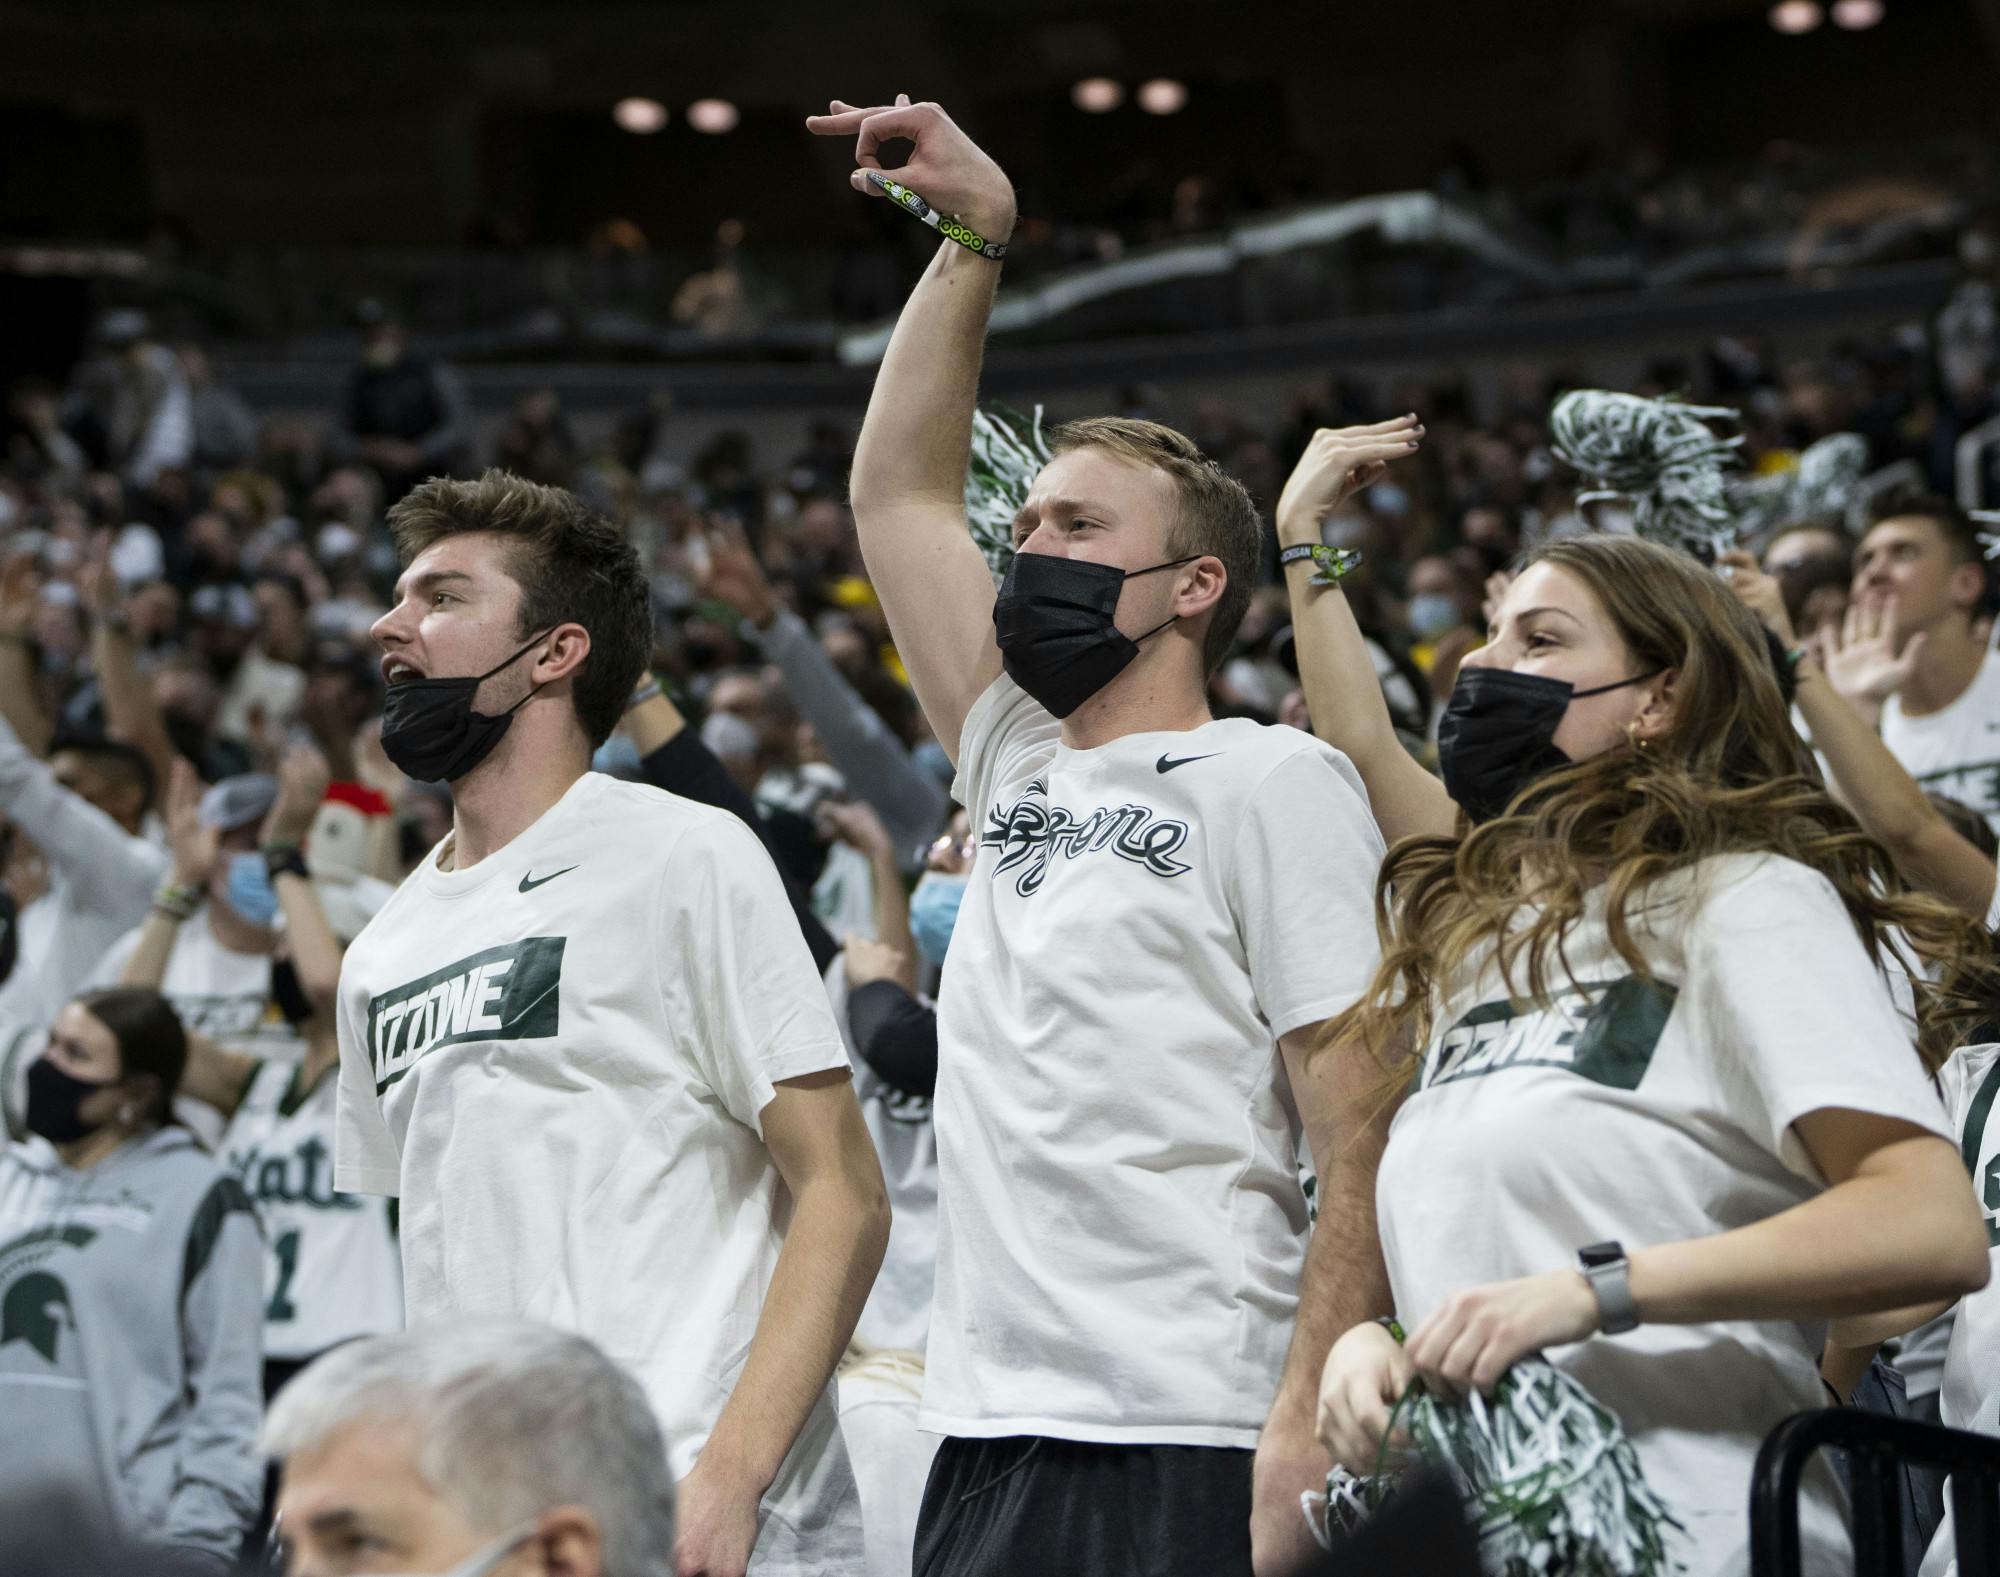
x,y
1298,530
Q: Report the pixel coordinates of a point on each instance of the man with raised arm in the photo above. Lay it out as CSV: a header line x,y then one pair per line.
x,y
1162,911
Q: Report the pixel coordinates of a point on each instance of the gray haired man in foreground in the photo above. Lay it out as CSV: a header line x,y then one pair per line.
x,y
490,1447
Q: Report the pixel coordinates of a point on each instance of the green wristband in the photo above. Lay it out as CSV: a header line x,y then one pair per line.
x,y
1393,1326
946,226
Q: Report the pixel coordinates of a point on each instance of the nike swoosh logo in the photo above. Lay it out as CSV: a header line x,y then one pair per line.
x,y
1167,764
530,882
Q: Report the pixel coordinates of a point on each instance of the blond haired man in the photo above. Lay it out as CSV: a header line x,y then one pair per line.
x,y
1163,909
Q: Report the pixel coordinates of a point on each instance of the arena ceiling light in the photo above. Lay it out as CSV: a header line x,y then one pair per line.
x,y
642,117
1856,15
713,116
1796,16
1163,96
1097,95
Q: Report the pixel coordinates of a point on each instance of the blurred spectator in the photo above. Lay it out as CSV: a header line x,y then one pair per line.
x,y
405,415
453,1448
714,302
225,428
131,1276
1813,564
131,406
79,871
537,442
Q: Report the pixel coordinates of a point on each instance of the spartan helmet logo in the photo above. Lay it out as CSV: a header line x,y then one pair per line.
x,y
36,1310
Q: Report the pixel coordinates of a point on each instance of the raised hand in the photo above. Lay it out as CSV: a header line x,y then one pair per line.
x,y
1860,658
869,961
1758,592
376,770
1337,464
728,570
947,169
857,826
303,776
20,597
191,841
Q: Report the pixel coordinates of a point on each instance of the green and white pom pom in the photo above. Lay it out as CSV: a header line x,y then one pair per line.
x,y
1549,1479
1824,485
1659,456
1008,450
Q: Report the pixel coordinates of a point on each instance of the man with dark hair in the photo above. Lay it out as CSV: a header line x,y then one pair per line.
x,y
585,1043
1163,910
75,820
1921,575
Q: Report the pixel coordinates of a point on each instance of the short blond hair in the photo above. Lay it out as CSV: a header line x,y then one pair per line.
x,y
1216,517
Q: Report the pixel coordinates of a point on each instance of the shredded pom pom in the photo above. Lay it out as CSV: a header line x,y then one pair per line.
x,y
1008,449
1660,456
1548,1477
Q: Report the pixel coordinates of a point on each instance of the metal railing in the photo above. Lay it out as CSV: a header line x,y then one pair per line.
x,y
1878,1447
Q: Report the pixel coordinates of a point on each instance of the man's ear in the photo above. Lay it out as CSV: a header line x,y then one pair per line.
x,y
1207,581
568,1543
568,645
1967,587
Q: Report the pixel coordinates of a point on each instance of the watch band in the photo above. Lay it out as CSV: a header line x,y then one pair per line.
x,y
1607,1270
284,859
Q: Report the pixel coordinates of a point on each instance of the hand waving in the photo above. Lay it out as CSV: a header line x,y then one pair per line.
x,y
192,841
729,572
302,780
1337,464
948,169
1860,658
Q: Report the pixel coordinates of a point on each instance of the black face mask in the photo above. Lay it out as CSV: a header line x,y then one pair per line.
x,y
1498,731
430,731
55,1101
1054,620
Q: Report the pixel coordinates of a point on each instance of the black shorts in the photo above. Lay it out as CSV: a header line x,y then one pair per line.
x,y
1028,1506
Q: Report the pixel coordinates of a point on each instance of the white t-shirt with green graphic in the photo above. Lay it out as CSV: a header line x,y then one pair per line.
x,y
1970,1395
1955,751
557,1059
1655,1111
333,1270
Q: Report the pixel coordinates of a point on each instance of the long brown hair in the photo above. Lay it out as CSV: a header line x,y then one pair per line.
x,y
1729,775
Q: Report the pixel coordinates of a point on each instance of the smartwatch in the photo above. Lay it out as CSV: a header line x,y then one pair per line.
x,y
1605,1267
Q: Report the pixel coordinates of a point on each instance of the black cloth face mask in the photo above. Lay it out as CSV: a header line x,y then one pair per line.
x,y
1055,620
1498,731
55,1103
430,731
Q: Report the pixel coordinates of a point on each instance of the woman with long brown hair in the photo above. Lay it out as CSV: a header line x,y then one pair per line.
x,y
1663,1119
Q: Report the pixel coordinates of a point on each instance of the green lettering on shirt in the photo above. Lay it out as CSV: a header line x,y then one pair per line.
x,y
510,992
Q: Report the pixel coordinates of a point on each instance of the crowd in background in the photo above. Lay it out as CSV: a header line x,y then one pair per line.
x,y
187,591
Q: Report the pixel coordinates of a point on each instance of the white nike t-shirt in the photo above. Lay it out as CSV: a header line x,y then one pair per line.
x,y
1655,1111
1969,1398
333,1271
557,1059
1956,751
1121,1228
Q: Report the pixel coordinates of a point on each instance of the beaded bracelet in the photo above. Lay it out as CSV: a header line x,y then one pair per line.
x,y
950,228
1334,565
176,902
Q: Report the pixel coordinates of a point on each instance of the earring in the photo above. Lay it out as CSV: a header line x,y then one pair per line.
x,y
1632,736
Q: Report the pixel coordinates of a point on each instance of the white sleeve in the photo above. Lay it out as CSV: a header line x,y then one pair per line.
x,y
365,1158
1301,881
757,1010
1795,1014
1007,734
